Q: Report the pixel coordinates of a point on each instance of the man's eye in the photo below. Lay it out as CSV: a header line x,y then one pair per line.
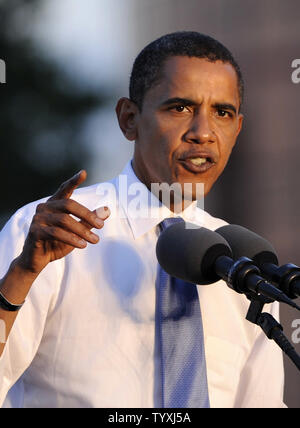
x,y
179,108
224,113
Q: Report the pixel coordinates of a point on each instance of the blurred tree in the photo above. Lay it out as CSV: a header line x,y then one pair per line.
x,y
42,115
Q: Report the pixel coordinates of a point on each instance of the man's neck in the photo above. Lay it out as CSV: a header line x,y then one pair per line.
x,y
175,204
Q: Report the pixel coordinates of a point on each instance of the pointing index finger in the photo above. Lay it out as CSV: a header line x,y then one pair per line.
x,y
66,189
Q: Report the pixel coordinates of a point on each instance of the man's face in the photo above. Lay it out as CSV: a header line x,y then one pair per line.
x,y
189,123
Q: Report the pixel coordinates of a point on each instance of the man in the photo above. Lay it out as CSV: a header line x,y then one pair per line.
x,y
86,335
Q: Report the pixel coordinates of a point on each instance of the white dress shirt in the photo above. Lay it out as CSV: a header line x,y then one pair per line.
x,y
85,336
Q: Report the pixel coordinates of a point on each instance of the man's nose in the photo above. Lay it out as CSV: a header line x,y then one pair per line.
x,y
201,129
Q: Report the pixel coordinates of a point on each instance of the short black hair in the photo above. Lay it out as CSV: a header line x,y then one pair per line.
x,y
148,64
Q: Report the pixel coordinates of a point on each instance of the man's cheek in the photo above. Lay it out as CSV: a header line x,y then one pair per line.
x,y
222,164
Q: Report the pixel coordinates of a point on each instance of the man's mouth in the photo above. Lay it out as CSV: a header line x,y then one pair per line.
x,y
198,164
198,161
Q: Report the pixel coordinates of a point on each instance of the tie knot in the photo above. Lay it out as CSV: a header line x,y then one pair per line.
x,y
169,221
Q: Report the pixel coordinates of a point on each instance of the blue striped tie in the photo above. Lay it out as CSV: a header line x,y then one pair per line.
x,y
183,366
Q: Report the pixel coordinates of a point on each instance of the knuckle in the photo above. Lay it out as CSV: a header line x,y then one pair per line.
x,y
33,231
36,232
87,233
40,207
39,219
63,220
36,219
91,217
51,230
67,204
62,189
63,186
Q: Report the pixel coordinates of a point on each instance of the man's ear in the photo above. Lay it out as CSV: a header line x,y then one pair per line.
x,y
240,123
127,112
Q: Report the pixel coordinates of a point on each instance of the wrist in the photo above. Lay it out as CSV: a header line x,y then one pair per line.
x,y
25,268
15,285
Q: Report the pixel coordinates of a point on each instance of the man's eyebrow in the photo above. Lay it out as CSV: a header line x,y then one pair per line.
x,y
178,100
189,102
225,106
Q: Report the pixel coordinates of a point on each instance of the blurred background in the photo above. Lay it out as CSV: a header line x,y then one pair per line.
x,y
68,62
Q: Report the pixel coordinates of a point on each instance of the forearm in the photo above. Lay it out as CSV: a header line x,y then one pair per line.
x,y
14,286
52,235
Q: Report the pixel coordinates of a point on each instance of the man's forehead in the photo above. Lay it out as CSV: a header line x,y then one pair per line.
x,y
192,76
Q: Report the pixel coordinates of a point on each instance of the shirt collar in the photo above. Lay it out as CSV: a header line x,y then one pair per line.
x,y
141,207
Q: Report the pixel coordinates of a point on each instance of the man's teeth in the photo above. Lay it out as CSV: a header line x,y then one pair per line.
x,y
198,161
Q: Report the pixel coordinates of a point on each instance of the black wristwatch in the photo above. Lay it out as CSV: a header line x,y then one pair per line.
x,y
5,304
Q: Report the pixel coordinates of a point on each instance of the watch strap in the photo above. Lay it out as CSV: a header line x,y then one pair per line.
x,y
8,306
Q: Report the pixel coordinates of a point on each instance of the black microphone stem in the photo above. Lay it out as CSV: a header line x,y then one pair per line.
x,y
286,277
270,327
274,331
244,277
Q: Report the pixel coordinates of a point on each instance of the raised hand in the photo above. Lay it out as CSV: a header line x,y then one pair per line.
x,y
54,232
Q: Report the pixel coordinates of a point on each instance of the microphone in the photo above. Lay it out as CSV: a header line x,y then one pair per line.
x,y
201,256
244,242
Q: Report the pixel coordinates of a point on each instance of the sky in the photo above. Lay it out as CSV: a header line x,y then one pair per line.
x,y
93,41
94,38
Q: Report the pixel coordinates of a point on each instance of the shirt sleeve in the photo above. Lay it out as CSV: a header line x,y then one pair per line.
x,y
27,331
262,378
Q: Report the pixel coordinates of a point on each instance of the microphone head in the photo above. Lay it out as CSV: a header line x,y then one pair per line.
x,y
245,243
189,252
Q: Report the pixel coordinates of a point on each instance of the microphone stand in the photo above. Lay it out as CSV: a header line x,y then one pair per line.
x,y
270,326
243,277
